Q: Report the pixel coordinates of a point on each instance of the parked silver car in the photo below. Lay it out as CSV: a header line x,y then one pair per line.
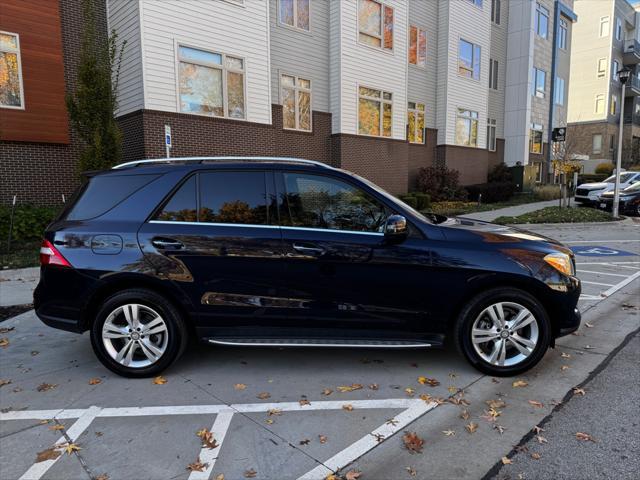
x,y
589,193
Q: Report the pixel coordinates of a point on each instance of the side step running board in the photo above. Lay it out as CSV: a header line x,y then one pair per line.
x,y
323,342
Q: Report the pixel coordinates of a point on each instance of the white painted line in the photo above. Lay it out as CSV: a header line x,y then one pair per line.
x,y
368,442
603,273
615,264
590,297
620,285
599,241
597,283
164,410
209,456
37,470
325,405
42,414
627,267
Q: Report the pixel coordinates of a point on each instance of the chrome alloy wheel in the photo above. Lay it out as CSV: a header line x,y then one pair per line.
x,y
505,334
135,335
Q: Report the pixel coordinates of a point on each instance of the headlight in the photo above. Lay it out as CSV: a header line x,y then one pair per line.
x,y
561,262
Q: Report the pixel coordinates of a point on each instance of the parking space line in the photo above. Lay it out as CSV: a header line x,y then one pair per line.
x,y
602,273
600,241
598,283
37,470
209,456
584,296
622,284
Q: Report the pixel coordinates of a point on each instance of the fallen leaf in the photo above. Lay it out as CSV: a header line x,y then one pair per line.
x,y
565,355
538,429
500,429
269,421
348,407
392,421
349,388
197,466
263,395
409,391
99,434
17,390
506,461
411,471
306,441
373,386
412,442
432,382
585,437
449,433
379,437
48,454
304,401
34,353
43,387
7,329
495,380
452,389
322,438
464,415
458,401
4,382
239,386
352,475
536,456
327,391
579,391
588,325
471,427
251,473
496,403
95,381
564,367
102,476
159,380
332,476
220,477
536,404
207,439
519,383
56,427
541,439
4,342
69,447
274,411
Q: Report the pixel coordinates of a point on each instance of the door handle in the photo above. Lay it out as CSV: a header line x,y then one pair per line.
x,y
306,250
166,244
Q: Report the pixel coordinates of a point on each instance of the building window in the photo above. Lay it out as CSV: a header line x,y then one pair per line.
x,y
541,21
600,103
604,26
495,11
539,81
294,13
559,91
618,29
491,134
596,141
469,60
374,112
477,3
415,120
211,83
614,71
295,93
375,24
535,138
562,34
493,74
613,108
11,89
417,46
612,142
467,128
602,67
539,172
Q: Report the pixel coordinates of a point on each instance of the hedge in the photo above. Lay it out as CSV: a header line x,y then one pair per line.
x,y
29,222
491,192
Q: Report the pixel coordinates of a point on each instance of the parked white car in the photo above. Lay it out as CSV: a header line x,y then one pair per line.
x,y
588,193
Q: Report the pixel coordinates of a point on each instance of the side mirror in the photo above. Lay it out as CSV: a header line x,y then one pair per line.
x,y
395,229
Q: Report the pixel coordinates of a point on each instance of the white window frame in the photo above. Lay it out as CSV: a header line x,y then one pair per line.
x,y
20,77
496,11
491,134
493,73
416,111
563,31
460,114
613,107
593,143
599,98
559,92
381,48
601,67
541,10
382,101
295,17
618,29
534,79
418,30
224,68
473,60
297,88
604,21
536,127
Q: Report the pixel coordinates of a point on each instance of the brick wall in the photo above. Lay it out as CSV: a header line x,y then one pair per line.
x,y
472,163
421,156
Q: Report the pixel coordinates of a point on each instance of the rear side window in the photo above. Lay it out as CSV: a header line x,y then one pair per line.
x,y
100,194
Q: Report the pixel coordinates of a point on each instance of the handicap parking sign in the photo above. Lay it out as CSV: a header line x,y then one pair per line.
x,y
600,251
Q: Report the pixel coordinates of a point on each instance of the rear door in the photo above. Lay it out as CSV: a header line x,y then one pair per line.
x,y
217,239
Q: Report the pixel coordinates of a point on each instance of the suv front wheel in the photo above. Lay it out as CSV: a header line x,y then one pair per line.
x,y
503,332
137,333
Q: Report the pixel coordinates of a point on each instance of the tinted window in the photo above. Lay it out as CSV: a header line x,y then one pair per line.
x,y
315,201
182,205
104,192
233,197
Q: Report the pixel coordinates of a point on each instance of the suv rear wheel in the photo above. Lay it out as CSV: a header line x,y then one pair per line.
x,y
503,332
137,333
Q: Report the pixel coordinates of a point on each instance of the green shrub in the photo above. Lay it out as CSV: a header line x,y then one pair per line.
x,y
591,178
491,192
634,168
441,184
547,192
29,222
410,199
500,173
423,200
604,168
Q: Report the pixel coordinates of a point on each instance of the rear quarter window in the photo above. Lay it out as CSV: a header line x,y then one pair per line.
x,y
100,194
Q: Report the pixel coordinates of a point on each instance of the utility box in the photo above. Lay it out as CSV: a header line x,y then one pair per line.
x,y
524,176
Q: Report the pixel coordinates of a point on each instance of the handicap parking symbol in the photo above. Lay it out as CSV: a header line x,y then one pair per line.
x,y
599,251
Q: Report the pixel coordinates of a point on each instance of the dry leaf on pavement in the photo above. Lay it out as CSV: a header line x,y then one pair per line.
x,y
197,466
322,438
565,355
496,403
95,381
471,427
220,476
409,391
352,475
251,473
348,407
432,382
69,447
274,411
536,456
585,437
579,391
306,441
239,386
159,380
56,427
349,388
4,342
48,454
541,439
303,402
263,395
373,386
536,404
564,367
538,429
412,442
500,429
7,329
506,461
588,325
4,382
43,387
519,383
207,439
449,433
327,391
102,476
464,415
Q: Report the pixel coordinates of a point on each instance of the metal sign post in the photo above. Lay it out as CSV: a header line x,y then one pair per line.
x,y
167,139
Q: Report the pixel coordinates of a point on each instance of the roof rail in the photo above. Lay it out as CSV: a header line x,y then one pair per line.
x,y
135,163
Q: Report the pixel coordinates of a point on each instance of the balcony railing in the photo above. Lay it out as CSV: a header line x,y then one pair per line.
x,y
633,86
631,54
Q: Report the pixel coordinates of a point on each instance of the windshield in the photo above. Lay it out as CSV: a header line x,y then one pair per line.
x,y
624,177
633,188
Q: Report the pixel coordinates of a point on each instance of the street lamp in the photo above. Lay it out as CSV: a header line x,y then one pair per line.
x,y
623,76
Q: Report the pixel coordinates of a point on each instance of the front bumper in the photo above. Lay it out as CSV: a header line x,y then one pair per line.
x,y
570,324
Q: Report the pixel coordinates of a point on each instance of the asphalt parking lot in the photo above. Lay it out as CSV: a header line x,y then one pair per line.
x,y
300,413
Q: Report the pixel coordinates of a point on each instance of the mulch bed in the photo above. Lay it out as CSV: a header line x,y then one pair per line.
x,y
9,312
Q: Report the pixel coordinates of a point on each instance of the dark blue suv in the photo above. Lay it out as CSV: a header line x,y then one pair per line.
x,y
288,252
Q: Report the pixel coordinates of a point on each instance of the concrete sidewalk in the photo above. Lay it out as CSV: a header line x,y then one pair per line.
x,y
16,286
513,211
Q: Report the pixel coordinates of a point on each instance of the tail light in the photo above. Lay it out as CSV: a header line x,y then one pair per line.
x,y
49,255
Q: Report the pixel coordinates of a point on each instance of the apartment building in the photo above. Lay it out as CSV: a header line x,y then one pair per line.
x,y
606,39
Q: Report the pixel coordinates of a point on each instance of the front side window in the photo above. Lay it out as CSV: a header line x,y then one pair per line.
x,y
469,59
11,90
613,107
294,13
535,138
375,24
466,128
604,26
562,34
539,80
211,83
495,11
559,91
491,134
417,46
296,102
541,21
415,120
596,141
316,201
374,112
599,108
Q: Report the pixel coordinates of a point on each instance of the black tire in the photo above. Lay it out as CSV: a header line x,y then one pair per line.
x,y
177,335
463,326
